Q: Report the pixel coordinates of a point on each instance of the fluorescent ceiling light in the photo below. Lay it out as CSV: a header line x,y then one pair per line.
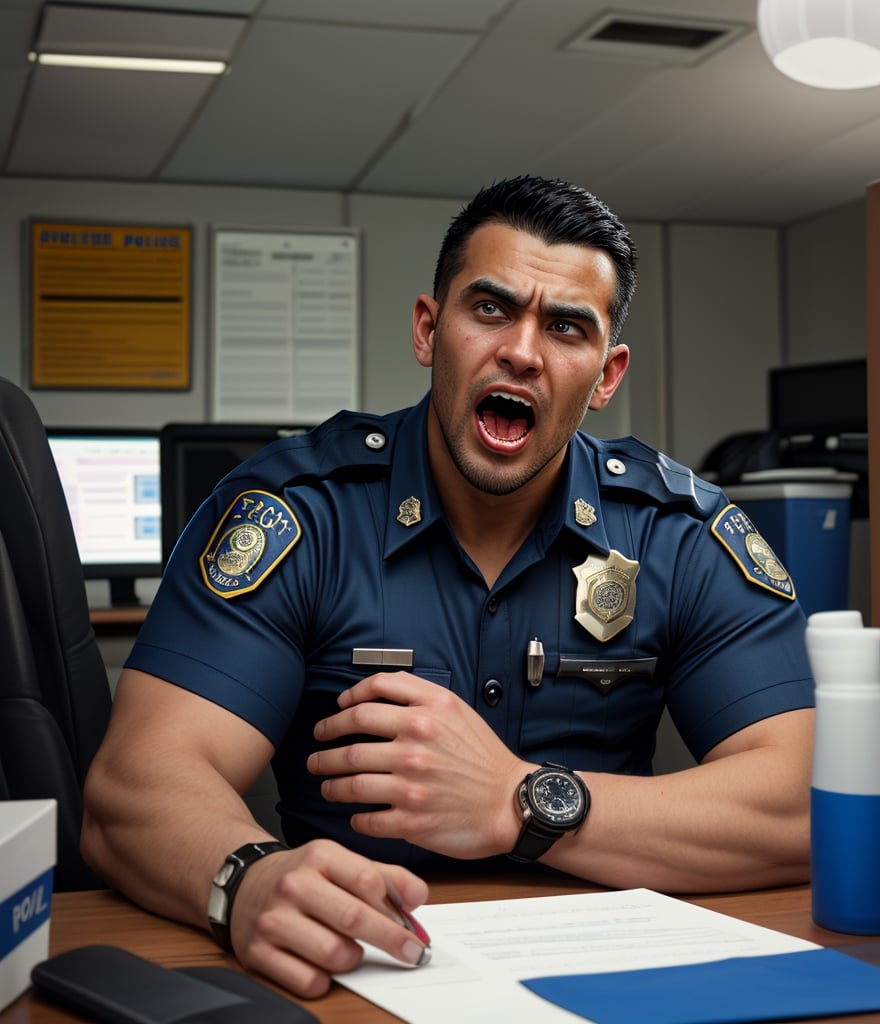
x,y
82,60
824,44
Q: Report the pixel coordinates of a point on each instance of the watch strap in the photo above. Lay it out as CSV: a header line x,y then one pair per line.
x,y
533,842
225,885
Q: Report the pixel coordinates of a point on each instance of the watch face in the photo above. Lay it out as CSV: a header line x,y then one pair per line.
x,y
556,798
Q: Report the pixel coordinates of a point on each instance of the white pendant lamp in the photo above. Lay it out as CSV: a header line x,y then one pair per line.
x,y
831,44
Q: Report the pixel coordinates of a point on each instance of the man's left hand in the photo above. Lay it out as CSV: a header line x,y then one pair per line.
x,y
447,780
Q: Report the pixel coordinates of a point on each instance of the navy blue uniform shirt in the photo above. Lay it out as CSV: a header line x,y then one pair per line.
x,y
335,542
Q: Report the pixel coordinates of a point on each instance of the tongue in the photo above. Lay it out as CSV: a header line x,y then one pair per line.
x,y
503,428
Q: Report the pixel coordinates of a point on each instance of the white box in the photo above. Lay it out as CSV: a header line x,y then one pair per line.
x,y
27,864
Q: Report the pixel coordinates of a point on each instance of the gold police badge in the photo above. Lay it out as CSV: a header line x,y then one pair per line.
x,y
606,594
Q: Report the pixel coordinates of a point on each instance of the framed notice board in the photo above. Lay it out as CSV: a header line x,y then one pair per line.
x,y
110,306
285,324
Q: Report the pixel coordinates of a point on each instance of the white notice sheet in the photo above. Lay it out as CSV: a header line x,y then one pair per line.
x,y
285,325
481,950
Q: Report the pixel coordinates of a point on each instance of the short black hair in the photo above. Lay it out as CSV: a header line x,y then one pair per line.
x,y
554,211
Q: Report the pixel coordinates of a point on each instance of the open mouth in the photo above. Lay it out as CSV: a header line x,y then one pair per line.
x,y
505,418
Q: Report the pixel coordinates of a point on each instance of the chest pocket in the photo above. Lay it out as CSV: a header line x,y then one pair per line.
x,y
605,675
594,713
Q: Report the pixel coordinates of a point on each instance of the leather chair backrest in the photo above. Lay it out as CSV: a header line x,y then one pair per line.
x,y
54,693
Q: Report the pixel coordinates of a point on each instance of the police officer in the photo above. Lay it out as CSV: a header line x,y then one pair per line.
x,y
454,630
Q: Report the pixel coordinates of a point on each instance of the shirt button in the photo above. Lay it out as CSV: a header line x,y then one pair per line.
x,y
493,691
376,441
492,606
616,467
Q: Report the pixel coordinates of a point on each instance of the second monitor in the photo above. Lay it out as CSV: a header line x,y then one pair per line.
x,y
196,456
110,479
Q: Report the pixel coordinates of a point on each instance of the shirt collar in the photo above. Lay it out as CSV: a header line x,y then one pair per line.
x,y
576,506
414,504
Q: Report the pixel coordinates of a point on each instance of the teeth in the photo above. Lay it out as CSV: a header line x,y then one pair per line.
x,y
512,398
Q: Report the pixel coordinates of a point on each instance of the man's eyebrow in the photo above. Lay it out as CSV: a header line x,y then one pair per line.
x,y
487,286
563,310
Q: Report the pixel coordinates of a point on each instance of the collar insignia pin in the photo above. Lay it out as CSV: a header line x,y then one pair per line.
x,y
584,514
409,512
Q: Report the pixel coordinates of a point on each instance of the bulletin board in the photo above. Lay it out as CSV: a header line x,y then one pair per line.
x,y
285,324
110,306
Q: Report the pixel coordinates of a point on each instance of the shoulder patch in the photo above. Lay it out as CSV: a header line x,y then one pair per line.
x,y
256,532
751,552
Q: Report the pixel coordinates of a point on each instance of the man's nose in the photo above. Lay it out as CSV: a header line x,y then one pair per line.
x,y
521,349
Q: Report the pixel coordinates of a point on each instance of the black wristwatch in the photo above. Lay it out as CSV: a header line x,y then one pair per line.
x,y
224,886
553,801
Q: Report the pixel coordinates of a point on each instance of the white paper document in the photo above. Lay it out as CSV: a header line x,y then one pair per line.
x,y
480,951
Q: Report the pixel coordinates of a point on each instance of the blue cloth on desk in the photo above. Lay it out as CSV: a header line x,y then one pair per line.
x,y
784,986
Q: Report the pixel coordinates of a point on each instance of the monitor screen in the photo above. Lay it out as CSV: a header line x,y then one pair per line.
x,y
813,397
111,480
196,456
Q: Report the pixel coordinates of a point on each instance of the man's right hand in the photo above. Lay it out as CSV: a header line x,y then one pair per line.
x,y
298,917
163,808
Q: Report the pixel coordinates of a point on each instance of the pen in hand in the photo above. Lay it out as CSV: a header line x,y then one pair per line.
x,y
411,925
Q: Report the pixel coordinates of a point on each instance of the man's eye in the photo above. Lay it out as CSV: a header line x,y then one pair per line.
x,y
489,308
562,327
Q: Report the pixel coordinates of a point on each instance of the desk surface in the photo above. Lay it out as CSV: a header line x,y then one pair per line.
x,y
114,621
80,919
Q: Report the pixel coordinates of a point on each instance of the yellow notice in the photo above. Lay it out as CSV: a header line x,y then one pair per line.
x,y
110,306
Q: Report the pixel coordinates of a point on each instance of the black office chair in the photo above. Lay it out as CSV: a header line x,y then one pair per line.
x,y
54,694
739,453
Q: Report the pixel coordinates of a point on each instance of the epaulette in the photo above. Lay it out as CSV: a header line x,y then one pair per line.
x,y
345,442
630,464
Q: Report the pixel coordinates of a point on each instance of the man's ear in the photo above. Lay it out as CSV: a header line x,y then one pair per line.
x,y
425,313
616,363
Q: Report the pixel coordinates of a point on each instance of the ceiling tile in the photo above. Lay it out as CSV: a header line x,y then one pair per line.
x,y
312,104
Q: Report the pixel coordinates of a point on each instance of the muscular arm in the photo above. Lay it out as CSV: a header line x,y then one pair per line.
x,y
172,765
739,820
163,809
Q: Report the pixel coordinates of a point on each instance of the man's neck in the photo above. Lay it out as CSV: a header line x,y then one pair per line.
x,y
490,527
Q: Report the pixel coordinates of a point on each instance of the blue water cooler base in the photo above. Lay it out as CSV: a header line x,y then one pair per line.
x,y
845,839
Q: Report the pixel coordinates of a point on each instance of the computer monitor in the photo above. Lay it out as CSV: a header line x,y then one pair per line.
x,y
819,412
820,397
196,456
111,481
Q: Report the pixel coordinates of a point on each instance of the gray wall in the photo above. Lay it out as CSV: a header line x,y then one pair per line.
x,y
708,309
825,287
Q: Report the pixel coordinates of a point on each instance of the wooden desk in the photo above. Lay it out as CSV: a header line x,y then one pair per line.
x,y
80,919
118,621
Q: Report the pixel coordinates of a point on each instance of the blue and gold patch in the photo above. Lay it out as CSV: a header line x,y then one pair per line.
x,y
751,552
257,531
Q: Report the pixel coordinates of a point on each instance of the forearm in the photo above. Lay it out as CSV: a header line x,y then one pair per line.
x,y
699,830
738,821
159,833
